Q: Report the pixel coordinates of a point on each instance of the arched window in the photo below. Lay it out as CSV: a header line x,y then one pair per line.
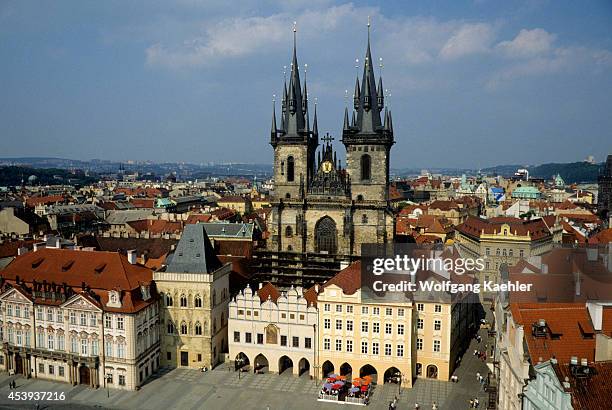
x,y
183,328
198,301
168,300
289,247
288,232
364,219
360,197
366,164
183,301
198,329
170,328
290,169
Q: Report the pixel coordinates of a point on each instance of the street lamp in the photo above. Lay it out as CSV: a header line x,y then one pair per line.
x,y
109,378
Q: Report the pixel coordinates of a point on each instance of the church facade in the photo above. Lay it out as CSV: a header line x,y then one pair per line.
x,y
320,207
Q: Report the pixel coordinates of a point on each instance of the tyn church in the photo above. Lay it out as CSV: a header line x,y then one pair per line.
x,y
323,212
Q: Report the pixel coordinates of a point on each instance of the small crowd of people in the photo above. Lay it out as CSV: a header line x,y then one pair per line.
x,y
434,406
481,355
474,403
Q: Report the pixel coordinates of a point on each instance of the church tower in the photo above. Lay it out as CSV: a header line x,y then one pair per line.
x,y
368,137
293,142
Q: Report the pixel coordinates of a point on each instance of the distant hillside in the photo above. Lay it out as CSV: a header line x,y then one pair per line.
x,y
12,176
573,172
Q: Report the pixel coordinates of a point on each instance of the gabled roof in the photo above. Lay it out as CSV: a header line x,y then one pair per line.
x,y
194,252
348,279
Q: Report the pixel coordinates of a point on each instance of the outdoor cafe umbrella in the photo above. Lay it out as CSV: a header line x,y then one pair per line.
x,y
354,389
327,386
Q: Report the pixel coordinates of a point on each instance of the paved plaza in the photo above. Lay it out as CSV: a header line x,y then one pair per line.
x,y
225,389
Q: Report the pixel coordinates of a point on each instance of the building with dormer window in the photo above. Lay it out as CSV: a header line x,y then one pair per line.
x,y
79,317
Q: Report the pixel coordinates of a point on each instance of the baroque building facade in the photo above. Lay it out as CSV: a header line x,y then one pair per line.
x,y
80,317
319,207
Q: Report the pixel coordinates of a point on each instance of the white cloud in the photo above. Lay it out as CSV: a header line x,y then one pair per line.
x,y
468,39
528,43
566,59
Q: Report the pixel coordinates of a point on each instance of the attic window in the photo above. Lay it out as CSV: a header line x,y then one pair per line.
x,y
190,239
36,263
180,254
100,268
197,255
66,266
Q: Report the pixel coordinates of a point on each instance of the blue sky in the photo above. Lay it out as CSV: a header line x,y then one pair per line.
x,y
471,83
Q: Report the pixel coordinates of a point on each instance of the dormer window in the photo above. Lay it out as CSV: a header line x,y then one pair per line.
x,y
114,299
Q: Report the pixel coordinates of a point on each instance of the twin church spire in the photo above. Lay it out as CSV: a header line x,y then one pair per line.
x,y
368,117
295,119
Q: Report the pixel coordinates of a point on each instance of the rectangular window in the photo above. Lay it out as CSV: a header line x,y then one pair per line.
x,y
375,327
327,307
375,348
296,341
438,308
364,347
338,324
327,323
19,338
39,313
419,323
50,342
17,311
237,337
59,316
108,322
168,356
51,369
364,310
376,311
83,319
326,344
400,312
73,345
349,346
240,312
283,316
92,319
338,345
247,337
121,380
389,311
364,327
73,318
120,323
40,338
308,343
121,350
400,350
108,347
259,338
41,368
94,347
9,310
387,349
83,347
349,325
388,328
60,342
283,341
349,309
49,315
420,307
26,312
27,338
400,329
437,324
339,308
419,344
61,371
436,346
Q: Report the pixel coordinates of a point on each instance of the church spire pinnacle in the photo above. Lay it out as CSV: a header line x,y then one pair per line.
x,y
273,129
296,110
315,125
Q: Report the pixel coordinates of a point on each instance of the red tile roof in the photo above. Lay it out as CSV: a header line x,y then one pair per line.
x,y
348,279
44,200
268,291
100,271
569,327
475,226
594,392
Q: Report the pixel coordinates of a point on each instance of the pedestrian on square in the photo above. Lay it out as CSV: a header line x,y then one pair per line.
x,y
434,406
478,376
471,403
476,403
416,406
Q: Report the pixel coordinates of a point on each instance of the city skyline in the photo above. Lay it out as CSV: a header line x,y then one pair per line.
x,y
159,82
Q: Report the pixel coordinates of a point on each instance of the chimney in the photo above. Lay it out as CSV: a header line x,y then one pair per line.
x,y
317,288
577,283
131,255
38,246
